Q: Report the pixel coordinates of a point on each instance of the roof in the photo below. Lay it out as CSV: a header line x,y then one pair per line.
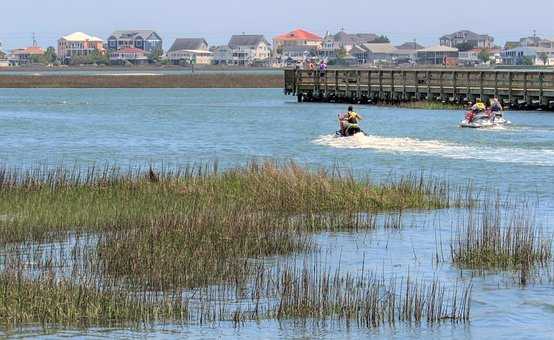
x,y
379,47
132,34
410,46
29,50
247,40
439,48
188,44
356,38
468,35
80,36
298,34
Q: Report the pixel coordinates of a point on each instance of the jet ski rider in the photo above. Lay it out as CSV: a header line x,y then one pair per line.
x,y
478,107
496,108
348,119
352,116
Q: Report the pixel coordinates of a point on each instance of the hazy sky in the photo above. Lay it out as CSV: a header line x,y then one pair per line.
x,y
401,20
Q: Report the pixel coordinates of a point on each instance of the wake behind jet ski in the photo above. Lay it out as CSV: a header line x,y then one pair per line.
x,y
349,123
481,117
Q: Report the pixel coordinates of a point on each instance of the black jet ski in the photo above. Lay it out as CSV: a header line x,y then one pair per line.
x,y
350,131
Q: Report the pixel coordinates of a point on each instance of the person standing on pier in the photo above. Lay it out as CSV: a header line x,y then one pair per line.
x,y
322,68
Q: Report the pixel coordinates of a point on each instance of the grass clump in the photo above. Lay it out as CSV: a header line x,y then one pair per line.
x,y
368,300
496,240
51,302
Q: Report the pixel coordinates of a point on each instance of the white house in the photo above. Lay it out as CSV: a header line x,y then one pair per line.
x,y
249,49
375,53
222,55
190,51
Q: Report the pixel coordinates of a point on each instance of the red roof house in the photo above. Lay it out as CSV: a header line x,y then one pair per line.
x,y
298,37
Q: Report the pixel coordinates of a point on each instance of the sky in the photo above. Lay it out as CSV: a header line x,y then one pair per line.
x,y
400,20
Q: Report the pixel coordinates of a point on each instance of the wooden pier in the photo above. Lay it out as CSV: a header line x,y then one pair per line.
x,y
517,89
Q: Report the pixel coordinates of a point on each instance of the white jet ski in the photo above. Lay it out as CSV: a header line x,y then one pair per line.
x,y
483,120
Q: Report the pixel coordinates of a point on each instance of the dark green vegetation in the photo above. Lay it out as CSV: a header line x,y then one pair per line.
x,y
198,80
104,247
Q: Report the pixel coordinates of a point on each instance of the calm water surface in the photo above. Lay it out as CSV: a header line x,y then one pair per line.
x,y
131,127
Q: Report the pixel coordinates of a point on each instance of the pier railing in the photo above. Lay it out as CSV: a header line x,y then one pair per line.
x,y
516,88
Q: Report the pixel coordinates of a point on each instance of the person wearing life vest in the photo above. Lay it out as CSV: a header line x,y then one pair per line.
x,y
479,106
352,116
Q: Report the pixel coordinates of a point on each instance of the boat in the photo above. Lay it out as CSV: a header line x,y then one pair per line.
x,y
483,120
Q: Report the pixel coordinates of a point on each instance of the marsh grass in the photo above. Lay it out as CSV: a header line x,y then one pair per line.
x,y
313,294
144,238
47,301
496,239
39,204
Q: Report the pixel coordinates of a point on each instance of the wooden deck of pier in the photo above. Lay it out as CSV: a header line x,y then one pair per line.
x,y
515,88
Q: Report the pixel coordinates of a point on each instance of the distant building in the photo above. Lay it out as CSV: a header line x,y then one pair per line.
x,y
538,56
22,56
534,41
407,52
3,60
438,55
472,39
294,54
189,51
373,53
131,55
79,44
298,37
222,55
146,40
334,43
249,49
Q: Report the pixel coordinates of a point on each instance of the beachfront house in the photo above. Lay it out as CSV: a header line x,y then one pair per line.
x,y
292,55
249,49
467,39
407,52
128,55
79,44
534,41
298,37
438,55
147,40
374,53
222,55
333,44
3,60
23,56
537,56
189,51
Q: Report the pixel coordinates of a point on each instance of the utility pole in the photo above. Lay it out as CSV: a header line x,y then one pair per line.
x,y
34,40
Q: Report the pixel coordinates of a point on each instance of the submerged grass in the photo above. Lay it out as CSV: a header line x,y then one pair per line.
x,y
50,302
500,240
158,234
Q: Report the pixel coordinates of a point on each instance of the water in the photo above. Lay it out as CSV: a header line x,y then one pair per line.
x,y
133,127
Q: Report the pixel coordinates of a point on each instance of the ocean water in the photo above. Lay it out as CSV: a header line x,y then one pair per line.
x,y
173,127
